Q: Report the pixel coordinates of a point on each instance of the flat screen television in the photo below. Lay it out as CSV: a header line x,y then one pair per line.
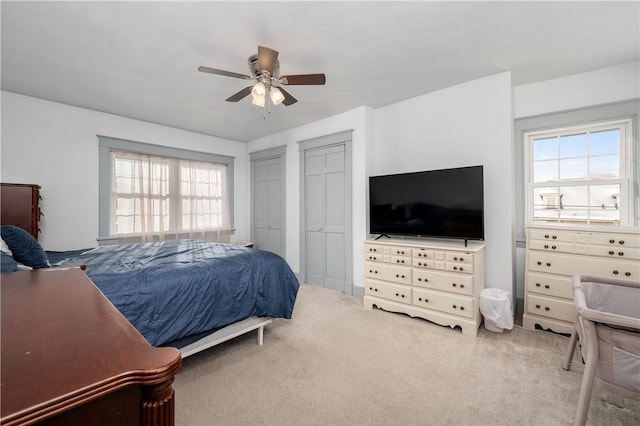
x,y
447,203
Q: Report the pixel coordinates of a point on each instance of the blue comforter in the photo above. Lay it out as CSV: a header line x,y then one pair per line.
x,y
172,289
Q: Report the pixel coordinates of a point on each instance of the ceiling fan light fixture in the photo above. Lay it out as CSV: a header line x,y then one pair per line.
x,y
258,100
258,94
276,96
258,90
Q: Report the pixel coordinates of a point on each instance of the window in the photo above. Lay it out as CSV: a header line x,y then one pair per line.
x,y
580,174
151,193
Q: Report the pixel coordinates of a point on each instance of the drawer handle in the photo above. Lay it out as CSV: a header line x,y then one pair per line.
x,y
462,308
611,252
537,306
403,296
615,272
546,286
454,307
461,285
454,284
537,284
462,259
628,274
621,242
553,247
612,241
370,288
546,236
620,253
548,264
554,237
461,268
546,308
539,263
397,295
419,299
546,246
455,258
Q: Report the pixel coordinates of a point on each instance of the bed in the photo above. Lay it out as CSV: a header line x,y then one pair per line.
x,y
188,294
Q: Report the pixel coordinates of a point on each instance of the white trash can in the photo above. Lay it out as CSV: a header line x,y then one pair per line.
x,y
495,306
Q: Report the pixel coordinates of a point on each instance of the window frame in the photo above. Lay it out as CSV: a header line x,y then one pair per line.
x,y
107,145
625,178
564,118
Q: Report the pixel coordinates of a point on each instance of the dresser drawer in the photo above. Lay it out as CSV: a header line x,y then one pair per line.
x,y
466,268
373,256
551,308
422,254
616,252
550,285
550,235
459,257
395,292
400,260
455,283
451,304
399,251
373,248
425,263
382,271
616,240
560,247
563,264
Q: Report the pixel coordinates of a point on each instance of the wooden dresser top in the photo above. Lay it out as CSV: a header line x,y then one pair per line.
x,y
64,344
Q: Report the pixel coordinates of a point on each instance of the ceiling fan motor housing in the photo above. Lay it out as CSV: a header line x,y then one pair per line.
x,y
257,72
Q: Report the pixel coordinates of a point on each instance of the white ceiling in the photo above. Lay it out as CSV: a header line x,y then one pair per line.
x,y
140,59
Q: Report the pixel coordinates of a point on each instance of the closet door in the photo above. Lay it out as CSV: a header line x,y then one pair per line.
x,y
267,202
325,218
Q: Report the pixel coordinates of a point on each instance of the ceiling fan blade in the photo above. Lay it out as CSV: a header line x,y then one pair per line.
x,y
267,59
303,79
222,72
288,99
240,95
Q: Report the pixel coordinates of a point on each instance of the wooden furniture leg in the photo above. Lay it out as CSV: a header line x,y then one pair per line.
x,y
158,404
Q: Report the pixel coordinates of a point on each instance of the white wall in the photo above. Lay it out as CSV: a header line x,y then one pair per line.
x,y
613,84
55,146
464,125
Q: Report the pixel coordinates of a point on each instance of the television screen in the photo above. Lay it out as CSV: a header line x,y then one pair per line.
x,y
446,203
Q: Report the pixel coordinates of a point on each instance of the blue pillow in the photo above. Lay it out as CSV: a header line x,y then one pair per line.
x,y
8,263
25,248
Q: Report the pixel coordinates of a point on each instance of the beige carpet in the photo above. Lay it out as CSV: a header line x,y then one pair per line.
x,y
336,363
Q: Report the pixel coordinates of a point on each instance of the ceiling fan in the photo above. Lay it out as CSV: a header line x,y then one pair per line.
x,y
265,70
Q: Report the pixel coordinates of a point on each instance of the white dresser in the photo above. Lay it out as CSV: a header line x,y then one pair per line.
x,y
439,281
554,254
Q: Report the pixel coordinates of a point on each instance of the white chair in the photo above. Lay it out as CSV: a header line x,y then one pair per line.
x,y
608,327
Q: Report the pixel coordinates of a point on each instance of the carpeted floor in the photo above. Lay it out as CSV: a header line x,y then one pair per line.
x,y
336,363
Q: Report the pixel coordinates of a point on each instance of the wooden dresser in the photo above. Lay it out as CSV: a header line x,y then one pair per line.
x,y
20,206
69,357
